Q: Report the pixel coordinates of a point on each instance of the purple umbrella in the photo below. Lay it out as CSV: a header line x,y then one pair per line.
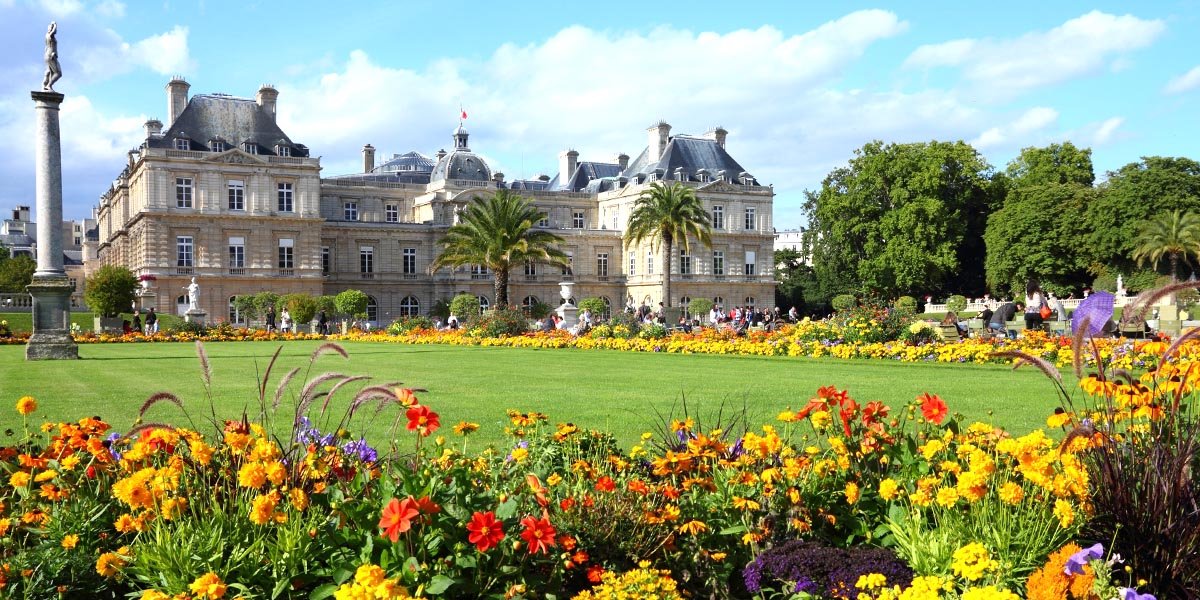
x,y
1098,307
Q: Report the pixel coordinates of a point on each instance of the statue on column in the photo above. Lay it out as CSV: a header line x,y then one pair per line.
x,y
193,294
53,69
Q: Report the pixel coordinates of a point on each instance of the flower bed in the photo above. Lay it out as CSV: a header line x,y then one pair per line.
x,y
833,499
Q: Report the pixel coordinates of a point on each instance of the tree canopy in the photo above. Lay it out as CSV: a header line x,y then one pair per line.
x,y
903,218
16,273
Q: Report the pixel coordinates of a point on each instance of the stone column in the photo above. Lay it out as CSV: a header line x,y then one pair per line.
x,y
51,290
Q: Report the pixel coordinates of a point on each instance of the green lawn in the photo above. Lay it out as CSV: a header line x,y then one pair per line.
x,y
22,322
602,389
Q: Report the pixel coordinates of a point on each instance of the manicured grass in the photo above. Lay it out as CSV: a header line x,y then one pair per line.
x,y
620,392
22,322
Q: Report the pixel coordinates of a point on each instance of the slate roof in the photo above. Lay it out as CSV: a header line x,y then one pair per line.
x,y
585,173
236,121
408,162
529,184
690,153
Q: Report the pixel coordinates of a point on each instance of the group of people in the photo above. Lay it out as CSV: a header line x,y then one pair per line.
x,y
150,327
741,318
1037,308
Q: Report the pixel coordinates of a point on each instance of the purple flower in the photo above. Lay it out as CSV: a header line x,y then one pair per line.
x,y
359,449
111,443
1132,594
1077,561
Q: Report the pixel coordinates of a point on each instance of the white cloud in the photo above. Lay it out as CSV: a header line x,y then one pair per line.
x,y
1183,83
1104,132
165,53
61,8
111,9
1019,130
1078,47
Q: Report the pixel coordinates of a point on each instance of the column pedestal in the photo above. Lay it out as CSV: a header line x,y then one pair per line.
x,y
51,337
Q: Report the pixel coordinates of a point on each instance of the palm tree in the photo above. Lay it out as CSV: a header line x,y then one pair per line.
x,y
1175,235
497,232
673,215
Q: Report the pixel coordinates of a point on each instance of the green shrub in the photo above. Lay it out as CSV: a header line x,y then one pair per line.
x,y
906,303
843,302
699,307
1105,283
624,325
182,326
595,305
540,310
653,332
265,300
499,322
352,303
956,303
247,307
440,310
465,307
406,324
110,291
301,307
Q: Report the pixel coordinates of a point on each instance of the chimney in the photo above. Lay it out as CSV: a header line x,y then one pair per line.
x,y
568,161
658,135
718,133
153,128
441,154
266,98
21,214
368,158
623,161
177,98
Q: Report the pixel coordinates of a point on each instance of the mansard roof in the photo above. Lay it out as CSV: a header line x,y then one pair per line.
x,y
691,154
235,121
408,162
585,173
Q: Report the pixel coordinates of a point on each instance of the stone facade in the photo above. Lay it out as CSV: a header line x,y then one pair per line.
x,y
180,210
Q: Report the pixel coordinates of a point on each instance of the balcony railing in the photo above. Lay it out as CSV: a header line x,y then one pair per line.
x,y
533,277
479,276
366,276
411,276
285,273
237,270
185,271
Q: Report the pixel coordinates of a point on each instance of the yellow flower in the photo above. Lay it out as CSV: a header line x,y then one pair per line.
x,y
202,452
871,581
154,595
947,496
276,472
1064,512
520,454
252,475
26,405
19,479
208,585
263,509
69,541
298,498
110,563
821,419
1058,420
693,527
1012,493
889,489
972,561
464,427
852,493
554,479
990,592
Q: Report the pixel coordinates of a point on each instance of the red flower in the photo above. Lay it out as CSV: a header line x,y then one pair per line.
x,y
875,411
423,420
605,484
933,408
538,534
595,573
849,409
427,506
485,531
397,517
566,504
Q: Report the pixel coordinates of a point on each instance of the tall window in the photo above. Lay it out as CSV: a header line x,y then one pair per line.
x,y
183,251
719,302
530,268
183,192
326,259
366,259
235,191
544,221
633,263
372,309
350,211
751,220
750,262
484,303
410,307
577,219
718,262
391,213
602,264
649,262
718,217
684,301
237,253
285,197
568,269
685,263
286,253
410,261
235,315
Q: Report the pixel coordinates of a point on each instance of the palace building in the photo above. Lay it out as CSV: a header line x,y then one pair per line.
x,y
222,194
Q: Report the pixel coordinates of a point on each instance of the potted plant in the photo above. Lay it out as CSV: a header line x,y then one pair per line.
x,y
110,292
147,280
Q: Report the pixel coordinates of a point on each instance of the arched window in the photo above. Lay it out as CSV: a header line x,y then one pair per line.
x,y
410,307
607,308
181,305
372,309
719,302
235,315
528,303
484,303
750,302
684,301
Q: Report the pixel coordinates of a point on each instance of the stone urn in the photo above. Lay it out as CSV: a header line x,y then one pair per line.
x,y
567,311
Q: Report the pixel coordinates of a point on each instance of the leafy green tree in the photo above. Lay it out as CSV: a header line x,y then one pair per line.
x,y
4,253
1055,164
16,273
902,218
265,300
796,281
466,307
1038,234
498,232
1175,235
247,306
301,307
352,303
110,291
594,304
668,215
699,308
1134,194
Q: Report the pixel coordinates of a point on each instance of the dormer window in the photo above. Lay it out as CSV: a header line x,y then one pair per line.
x,y
182,144
217,146
282,150
250,148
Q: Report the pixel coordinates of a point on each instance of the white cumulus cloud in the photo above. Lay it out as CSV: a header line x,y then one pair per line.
x,y
1078,47
1020,130
1183,83
1105,130
165,53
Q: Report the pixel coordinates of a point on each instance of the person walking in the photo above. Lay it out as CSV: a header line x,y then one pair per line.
x,y
271,319
151,322
137,321
1035,301
323,323
285,321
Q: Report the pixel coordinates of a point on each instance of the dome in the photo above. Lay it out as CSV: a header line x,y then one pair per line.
x,y
409,162
461,163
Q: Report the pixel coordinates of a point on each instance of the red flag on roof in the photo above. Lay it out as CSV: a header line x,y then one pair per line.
x,y
464,114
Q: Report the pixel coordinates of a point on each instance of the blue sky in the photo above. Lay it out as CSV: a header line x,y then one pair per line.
x,y
798,86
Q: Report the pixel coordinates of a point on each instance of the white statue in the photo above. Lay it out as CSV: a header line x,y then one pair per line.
x,y
1120,285
53,69
193,290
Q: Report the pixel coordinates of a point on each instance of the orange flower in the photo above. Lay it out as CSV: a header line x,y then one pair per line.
x,y
406,397
595,573
423,420
933,408
26,405
605,484
538,534
485,531
397,517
